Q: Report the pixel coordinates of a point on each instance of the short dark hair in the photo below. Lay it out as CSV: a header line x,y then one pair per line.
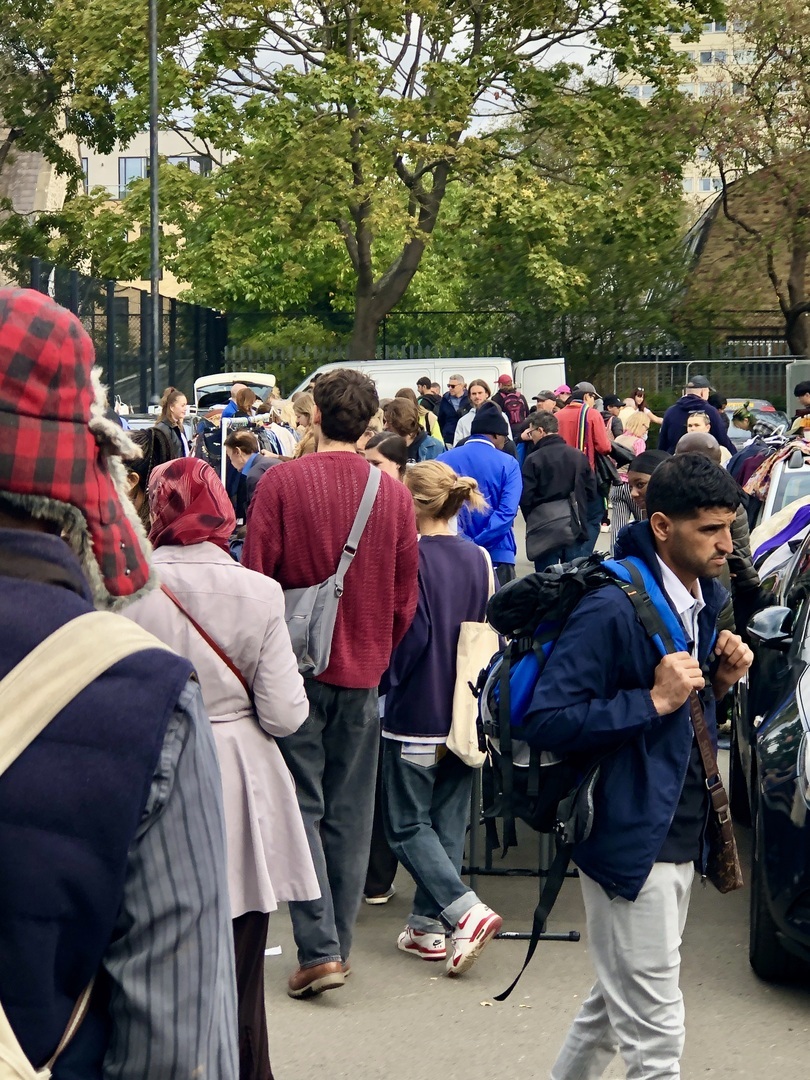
x,y
801,388
683,485
545,421
424,381
346,400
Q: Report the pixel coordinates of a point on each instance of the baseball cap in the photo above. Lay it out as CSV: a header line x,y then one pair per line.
x,y
504,380
586,388
545,395
564,389
698,382
58,452
489,420
612,401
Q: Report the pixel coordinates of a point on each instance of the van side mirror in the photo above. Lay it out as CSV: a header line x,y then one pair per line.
x,y
772,628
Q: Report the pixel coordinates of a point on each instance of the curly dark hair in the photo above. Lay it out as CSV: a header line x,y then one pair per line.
x,y
346,400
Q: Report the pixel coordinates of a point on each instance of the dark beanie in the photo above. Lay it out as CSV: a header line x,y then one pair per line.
x,y
648,462
489,420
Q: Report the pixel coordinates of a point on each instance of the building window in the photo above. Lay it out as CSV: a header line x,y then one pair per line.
x,y
647,92
201,164
705,184
719,56
744,56
688,185
738,88
706,57
717,183
633,91
705,89
129,169
714,28
85,180
686,88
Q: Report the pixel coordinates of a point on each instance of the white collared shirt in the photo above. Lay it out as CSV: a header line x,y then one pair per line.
x,y
688,605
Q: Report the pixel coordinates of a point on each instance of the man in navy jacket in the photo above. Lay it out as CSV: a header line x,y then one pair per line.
x,y
676,417
607,691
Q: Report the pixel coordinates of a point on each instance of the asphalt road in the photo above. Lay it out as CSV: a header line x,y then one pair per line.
x,y
399,1018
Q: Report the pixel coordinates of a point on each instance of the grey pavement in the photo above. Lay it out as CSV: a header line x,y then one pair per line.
x,y
400,1018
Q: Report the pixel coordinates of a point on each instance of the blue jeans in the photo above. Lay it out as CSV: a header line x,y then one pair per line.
x,y
596,510
333,761
426,809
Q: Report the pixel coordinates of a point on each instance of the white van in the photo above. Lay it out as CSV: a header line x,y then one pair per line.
x,y
531,376
214,391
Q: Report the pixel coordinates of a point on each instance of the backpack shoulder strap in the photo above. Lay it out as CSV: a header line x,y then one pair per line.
x,y
31,695
58,669
651,606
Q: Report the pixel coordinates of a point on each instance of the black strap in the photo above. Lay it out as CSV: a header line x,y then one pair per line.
x,y
549,891
507,765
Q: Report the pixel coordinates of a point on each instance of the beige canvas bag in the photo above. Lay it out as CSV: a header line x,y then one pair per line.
x,y
31,695
477,643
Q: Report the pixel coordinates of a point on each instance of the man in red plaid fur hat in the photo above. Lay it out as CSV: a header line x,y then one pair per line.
x,y
111,829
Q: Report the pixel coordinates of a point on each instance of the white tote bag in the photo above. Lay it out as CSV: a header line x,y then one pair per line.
x,y
477,643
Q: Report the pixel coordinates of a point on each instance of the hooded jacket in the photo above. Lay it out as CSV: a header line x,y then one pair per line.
x,y
676,416
593,700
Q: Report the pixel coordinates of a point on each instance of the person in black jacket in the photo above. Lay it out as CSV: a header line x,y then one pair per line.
x,y
454,404
173,407
552,473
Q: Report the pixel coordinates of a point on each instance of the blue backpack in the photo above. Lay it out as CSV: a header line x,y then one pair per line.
x,y
550,793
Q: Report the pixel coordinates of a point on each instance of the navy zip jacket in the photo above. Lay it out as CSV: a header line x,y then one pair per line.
x,y
676,416
448,415
593,697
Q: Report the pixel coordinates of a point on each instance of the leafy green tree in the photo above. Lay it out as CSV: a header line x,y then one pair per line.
x,y
349,121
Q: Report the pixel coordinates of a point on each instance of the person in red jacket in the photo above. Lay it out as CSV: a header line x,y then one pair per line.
x,y
595,441
298,523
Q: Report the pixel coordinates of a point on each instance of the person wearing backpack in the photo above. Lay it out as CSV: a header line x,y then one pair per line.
x,y
112,838
511,402
606,694
426,788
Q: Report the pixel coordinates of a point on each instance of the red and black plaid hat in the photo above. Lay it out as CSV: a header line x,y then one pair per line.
x,y
47,447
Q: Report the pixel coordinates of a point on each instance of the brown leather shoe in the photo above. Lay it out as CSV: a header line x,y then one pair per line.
x,y
310,981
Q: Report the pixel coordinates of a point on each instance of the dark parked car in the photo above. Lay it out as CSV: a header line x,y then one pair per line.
x,y
770,775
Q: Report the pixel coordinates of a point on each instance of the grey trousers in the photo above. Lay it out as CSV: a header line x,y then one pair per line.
x,y
635,1006
333,760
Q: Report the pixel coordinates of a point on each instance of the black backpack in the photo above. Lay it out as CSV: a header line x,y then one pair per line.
x,y
552,794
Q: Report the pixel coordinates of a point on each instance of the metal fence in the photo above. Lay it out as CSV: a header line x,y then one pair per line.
x,y
117,318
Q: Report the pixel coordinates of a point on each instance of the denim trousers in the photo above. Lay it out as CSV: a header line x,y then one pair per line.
x,y
556,555
426,808
333,761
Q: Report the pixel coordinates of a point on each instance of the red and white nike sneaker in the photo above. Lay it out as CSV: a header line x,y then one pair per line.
x,y
428,946
474,929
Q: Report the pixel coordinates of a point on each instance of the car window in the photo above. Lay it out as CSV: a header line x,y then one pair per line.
x,y
793,484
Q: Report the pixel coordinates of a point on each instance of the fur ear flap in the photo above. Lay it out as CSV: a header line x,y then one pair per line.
x,y
111,437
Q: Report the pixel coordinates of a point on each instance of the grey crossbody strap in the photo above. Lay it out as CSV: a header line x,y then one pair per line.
x,y
360,522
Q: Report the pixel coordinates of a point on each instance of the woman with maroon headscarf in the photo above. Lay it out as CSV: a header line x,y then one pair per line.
x,y
229,621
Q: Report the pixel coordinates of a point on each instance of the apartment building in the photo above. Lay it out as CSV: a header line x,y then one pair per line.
x,y
719,54
116,171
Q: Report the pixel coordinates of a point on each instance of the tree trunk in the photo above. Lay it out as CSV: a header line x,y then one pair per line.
x,y
797,334
367,319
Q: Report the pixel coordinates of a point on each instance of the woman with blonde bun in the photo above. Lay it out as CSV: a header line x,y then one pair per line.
x,y
426,788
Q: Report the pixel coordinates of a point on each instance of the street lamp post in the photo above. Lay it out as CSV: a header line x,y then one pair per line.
x,y
154,219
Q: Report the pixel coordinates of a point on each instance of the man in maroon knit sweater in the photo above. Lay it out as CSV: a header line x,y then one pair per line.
x,y
299,520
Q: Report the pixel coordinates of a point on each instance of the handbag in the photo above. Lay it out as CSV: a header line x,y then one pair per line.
x,y
551,525
310,613
723,865
209,640
477,643
31,695
606,472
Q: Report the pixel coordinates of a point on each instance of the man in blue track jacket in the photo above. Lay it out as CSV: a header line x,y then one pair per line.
x,y
499,478
606,691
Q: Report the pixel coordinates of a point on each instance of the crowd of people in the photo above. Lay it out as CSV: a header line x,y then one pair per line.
x,y
259,770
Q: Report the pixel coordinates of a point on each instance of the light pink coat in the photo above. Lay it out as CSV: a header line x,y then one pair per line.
x,y
268,855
